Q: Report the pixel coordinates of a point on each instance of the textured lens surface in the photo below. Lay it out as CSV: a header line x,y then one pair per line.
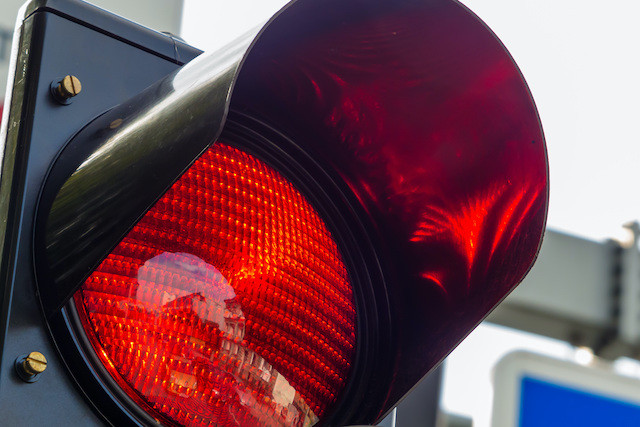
x,y
227,304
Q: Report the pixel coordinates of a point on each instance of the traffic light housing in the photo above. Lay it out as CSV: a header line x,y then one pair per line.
x,y
402,129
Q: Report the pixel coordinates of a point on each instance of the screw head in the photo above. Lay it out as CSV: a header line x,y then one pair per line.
x,y
69,87
35,363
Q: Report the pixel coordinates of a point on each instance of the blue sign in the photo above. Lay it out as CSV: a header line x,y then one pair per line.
x,y
531,390
546,404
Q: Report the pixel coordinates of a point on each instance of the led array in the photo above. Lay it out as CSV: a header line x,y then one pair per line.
x,y
227,304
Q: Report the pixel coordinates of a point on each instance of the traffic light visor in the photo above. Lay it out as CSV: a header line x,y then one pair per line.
x,y
420,110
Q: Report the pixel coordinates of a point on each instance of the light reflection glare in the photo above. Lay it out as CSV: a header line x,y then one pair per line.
x,y
584,356
181,296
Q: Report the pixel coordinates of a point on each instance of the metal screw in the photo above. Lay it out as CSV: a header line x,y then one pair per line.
x,y
68,87
35,363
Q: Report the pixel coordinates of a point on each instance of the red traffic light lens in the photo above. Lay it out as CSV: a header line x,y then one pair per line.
x,y
227,304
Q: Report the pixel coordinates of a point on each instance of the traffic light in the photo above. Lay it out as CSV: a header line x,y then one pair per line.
x,y
292,230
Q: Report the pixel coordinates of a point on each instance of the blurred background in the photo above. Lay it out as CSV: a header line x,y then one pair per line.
x,y
581,303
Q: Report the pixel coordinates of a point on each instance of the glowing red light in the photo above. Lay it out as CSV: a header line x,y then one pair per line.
x,y
227,304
